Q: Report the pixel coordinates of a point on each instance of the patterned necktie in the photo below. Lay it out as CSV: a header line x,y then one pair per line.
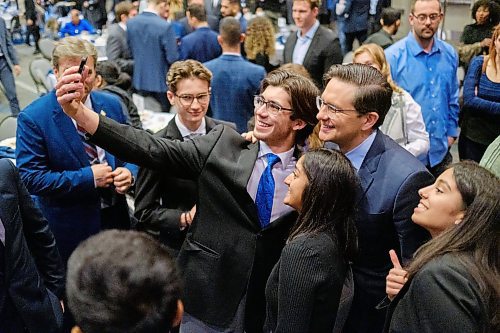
x,y
265,191
90,148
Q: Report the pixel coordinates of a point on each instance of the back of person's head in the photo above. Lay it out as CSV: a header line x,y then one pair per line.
x,y
493,9
302,92
259,37
123,8
197,11
377,54
475,239
390,15
123,281
373,93
230,31
111,74
328,202
187,69
296,68
73,47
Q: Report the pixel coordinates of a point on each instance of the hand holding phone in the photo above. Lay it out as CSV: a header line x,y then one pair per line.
x,y
80,69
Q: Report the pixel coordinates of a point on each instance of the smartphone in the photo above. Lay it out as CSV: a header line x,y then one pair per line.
x,y
80,69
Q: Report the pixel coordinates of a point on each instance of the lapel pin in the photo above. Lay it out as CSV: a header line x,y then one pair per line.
x,y
103,113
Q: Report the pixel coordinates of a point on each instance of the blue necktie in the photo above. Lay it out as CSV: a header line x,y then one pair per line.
x,y
265,191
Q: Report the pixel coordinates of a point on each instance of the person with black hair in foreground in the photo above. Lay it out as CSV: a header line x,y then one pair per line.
x,y
304,289
452,283
123,281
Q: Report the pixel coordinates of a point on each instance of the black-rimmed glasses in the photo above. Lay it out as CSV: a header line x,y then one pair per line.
x,y
422,18
271,107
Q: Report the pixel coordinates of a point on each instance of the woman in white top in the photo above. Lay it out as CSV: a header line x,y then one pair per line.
x,y
404,122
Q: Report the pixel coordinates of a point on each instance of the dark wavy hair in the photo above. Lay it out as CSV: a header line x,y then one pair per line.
x,y
328,200
122,281
475,240
493,8
302,92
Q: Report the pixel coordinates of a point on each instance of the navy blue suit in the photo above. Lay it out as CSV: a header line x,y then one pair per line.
x,y
31,270
153,44
200,45
57,172
7,61
234,84
390,179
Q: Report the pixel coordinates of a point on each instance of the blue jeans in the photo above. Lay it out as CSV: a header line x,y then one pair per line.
x,y
7,79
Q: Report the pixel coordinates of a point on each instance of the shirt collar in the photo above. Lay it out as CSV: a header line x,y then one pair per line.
x,y
123,26
285,157
202,130
310,33
357,155
150,11
232,54
415,47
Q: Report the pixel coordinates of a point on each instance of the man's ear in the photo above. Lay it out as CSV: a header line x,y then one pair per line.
x,y
242,38
178,314
98,81
299,124
220,40
76,329
170,96
371,120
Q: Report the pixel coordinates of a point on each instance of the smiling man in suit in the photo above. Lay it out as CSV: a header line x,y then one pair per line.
x,y
352,107
116,45
313,46
241,223
78,186
164,204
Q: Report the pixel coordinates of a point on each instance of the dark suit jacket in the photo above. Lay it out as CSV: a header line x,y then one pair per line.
x,y
57,172
33,271
442,297
117,48
160,198
153,45
6,45
226,253
200,45
323,52
390,179
234,84
356,15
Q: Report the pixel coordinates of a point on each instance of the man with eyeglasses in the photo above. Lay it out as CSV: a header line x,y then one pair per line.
x,y
165,205
241,223
352,107
235,79
426,67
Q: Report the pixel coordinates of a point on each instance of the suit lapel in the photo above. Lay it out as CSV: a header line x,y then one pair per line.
x,y
289,50
242,173
370,163
68,130
314,45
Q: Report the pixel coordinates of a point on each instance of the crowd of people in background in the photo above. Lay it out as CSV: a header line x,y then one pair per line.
x,y
290,192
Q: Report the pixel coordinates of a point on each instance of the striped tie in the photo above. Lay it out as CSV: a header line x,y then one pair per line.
x,y
90,148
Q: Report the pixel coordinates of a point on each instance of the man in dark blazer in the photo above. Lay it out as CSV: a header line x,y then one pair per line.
x,y
79,188
163,203
116,45
313,46
9,64
212,20
201,44
235,80
153,44
31,270
230,247
354,14
350,115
